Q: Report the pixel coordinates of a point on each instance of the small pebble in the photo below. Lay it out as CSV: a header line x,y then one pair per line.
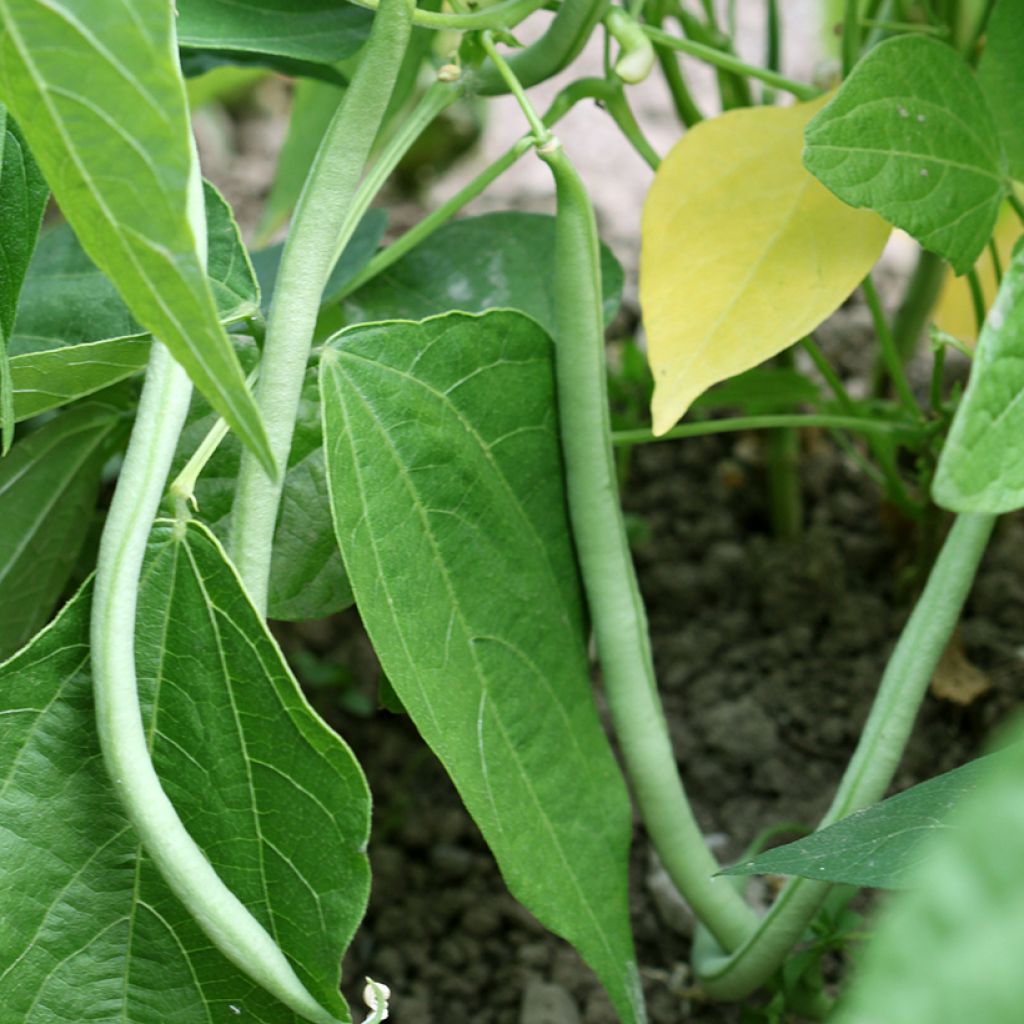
x,y
544,1003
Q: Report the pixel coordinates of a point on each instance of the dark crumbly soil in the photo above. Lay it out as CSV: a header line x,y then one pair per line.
x,y
768,655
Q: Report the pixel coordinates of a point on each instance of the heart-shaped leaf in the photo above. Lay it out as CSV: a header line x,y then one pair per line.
x,y
271,795
909,135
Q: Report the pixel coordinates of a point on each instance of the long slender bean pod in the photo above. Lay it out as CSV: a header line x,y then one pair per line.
x,y
874,762
309,254
560,45
222,916
613,596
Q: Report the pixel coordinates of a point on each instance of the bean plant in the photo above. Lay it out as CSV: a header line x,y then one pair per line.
x,y
198,438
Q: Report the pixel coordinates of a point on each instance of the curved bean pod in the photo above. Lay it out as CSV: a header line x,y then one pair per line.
x,y
609,579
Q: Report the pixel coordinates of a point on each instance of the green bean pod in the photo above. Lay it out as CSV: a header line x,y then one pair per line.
x,y
225,920
318,233
636,60
609,579
566,36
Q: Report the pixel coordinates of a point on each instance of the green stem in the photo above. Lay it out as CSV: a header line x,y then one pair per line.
x,y
182,489
733,87
437,98
686,109
877,13
726,61
424,228
1018,207
890,478
586,88
874,763
618,106
918,301
890,354
313,242
938,371
774,421
613,596
997,261
514,86
773,46
506,14
905,27
977,299
831,378
971,45
851,35
785,494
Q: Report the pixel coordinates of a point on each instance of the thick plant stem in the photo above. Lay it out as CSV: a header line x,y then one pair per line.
x,y
225,920
613,596
306,263
874,762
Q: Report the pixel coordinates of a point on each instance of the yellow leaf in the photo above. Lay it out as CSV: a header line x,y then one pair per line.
x,y
744,252
954,312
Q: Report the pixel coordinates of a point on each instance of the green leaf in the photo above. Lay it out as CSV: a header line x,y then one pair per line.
x,y
981,468
307,576
499,260
313,106
196,63
879,847
948,950
764,389
66,299
100,98
1001,75
446,480
910,136
74,335
23,195
55,377
360,249
273,797
48,487
310,31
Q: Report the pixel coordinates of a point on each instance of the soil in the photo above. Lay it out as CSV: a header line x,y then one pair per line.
x,y
768,653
